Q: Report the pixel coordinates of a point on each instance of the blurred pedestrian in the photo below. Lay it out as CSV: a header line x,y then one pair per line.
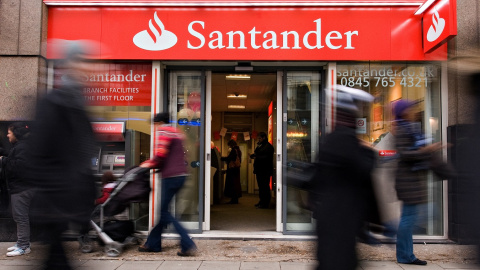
x,y
414,155
61,148
20,193
233,188
263,169
169,158
337,188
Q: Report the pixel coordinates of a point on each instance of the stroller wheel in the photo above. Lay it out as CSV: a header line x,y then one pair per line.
x,y
86,245
113,250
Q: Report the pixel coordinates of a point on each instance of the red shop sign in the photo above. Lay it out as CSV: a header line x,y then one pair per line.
x,y
119,84
314,33
387,153
439,24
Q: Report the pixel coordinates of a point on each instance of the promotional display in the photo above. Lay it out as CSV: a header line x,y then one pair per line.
x,y
245,33
118,84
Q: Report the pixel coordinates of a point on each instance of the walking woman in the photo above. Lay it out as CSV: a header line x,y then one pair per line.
x,y
233,189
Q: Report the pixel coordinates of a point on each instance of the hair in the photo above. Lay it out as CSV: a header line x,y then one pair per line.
x,y
20,130
162,117
232,143
108,177
262,135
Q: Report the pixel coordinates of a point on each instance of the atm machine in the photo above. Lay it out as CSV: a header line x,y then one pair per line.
x,y
119,149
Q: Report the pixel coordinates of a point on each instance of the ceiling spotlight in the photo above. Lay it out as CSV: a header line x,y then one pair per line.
x,y
236,95
237,77
236,106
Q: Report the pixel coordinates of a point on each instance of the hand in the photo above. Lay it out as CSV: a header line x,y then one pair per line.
x,y
145,164
433,147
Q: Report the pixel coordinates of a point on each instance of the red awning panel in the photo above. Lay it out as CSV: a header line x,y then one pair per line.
x,y
233,2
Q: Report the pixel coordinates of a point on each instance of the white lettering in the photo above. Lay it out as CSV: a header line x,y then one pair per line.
x,y
285,39
317,33
330,36
218,40
349,39
230,40
252,38
273,40
196,34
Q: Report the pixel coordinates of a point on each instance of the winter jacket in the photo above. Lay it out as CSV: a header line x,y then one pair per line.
x,y
263,155
410,181
169,152
14,166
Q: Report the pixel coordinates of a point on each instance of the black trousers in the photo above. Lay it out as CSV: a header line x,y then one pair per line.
x,y
263,181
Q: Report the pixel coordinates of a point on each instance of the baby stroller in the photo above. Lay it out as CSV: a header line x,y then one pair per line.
x,y
133,186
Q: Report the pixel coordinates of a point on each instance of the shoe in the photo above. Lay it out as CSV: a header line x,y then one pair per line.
x,y
262,207
232,202
18,252
12,248
257,205
144,248
190,252
417,262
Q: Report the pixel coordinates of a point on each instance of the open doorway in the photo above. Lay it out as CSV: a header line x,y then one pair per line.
x,y
242,106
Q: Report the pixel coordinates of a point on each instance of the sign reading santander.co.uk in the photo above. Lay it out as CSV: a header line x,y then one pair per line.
x,y
313,33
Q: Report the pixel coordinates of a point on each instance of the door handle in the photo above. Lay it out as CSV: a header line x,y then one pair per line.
x,y
279,157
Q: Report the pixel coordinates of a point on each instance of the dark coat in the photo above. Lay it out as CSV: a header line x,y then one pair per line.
x,y
233,188
410,184
263,155
61,149
14,167
343,175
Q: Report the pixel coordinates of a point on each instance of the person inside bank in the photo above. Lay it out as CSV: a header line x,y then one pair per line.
x,y
233,188
263,169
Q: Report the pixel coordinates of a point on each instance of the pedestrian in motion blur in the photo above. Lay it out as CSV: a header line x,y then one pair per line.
x,y
61,147
20,193
344,166
263,169
413,156
169,158
233,188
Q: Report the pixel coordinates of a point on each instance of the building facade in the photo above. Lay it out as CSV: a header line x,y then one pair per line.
x,y
231,70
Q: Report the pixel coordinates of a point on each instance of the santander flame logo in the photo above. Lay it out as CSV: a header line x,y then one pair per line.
x,y
436,29
157,38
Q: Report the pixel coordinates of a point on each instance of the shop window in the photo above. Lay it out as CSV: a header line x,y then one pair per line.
x,y
388,83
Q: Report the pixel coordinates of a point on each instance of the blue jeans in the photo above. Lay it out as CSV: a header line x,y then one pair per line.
x,y
408,219
170,187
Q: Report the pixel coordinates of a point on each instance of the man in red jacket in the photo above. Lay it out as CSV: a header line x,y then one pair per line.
x,y
169,158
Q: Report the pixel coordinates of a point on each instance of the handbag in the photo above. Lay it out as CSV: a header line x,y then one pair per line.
x,y
236,163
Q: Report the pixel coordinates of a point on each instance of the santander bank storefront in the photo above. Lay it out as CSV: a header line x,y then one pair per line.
x,y
232,69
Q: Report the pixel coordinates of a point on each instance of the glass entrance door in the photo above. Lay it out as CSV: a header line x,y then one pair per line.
x,y
301,132
187,110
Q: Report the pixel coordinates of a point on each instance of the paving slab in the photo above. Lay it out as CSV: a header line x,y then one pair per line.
x,y
180,265
297,265
100,265
142,265
429,266
377,265
448,265
220,265
260,266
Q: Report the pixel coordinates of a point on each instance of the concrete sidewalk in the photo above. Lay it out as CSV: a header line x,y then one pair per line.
x,y
102,264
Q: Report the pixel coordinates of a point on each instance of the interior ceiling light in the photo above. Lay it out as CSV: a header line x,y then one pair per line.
x,y
237,77
424,7
236,106
236,96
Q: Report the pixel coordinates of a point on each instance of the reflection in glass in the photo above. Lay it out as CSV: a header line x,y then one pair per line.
x,y
302,133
